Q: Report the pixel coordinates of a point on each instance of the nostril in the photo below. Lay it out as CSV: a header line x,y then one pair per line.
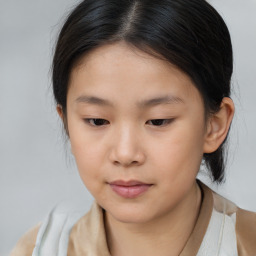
x,y
128,163
116,163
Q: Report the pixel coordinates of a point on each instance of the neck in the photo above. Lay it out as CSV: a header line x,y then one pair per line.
x,y
166,235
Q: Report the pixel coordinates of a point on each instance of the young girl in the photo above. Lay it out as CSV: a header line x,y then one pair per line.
x,y
143,89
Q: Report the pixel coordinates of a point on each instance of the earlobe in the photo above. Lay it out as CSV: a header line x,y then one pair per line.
x,y
60,111
218,126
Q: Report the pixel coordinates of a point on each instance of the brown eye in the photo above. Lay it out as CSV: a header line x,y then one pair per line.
x,y
160,122
96,121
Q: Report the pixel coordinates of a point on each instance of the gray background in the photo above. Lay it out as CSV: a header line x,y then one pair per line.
x,y
36,169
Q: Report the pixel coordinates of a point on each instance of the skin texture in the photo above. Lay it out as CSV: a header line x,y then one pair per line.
x,y
127,145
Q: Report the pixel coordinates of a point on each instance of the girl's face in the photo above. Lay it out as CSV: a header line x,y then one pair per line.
x,y
137,131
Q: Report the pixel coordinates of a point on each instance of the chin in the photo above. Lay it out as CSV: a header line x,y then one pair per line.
x,y
130,214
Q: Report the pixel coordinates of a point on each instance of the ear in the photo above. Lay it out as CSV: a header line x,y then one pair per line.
x,y
218,125
60,111
63,117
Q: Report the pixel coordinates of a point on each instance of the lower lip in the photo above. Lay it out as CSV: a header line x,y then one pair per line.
x,y
130,191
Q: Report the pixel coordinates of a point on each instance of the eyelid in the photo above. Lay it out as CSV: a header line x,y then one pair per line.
x,y
87,121
166,121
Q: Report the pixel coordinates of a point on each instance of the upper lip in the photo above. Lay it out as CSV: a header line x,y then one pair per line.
x,y
128,183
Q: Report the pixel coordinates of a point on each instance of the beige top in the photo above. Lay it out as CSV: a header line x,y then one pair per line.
x,y
87,236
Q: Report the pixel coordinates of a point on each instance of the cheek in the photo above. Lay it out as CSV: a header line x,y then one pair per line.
x,y
89,167
88,155
179,154
83,146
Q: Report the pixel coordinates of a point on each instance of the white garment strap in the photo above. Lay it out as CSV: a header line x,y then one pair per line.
x,y
53,235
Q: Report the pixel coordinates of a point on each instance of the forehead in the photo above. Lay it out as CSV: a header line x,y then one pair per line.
x,y
121,70
123,56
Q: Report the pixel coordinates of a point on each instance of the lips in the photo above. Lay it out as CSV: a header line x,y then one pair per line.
x,y
129,189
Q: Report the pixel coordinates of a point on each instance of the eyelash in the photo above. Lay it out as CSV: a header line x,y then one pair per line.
x,y
88,121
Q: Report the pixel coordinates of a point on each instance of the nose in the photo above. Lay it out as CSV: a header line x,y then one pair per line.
x,y
127,148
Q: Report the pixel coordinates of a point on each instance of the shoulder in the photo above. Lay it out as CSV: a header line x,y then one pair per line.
x,y
246,232
88,235
244,222
54,233
26,243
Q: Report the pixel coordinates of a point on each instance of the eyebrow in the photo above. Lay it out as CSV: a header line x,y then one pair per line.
x,y
167,99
